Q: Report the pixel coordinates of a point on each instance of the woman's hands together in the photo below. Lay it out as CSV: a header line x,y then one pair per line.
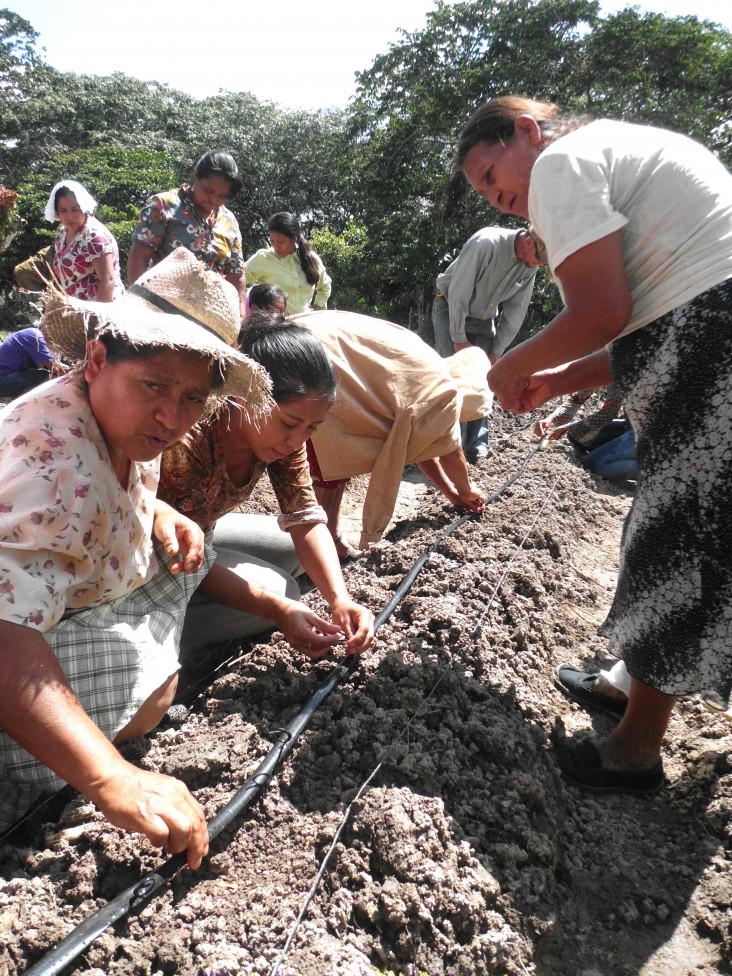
x,y
305,631
508,380
517,391
313,636
356,622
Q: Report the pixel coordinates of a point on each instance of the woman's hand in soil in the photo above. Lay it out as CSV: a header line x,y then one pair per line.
x,y
473,500
306,632
158,806
356,622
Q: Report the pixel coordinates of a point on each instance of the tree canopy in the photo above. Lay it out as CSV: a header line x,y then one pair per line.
x,y
374,185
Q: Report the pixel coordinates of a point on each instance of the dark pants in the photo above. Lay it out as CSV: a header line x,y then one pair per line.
x,y
475,434
13,384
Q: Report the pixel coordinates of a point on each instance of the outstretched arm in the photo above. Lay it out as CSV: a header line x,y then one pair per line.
x,y
304,630
586,373
450,475
40,711
599,306
316,549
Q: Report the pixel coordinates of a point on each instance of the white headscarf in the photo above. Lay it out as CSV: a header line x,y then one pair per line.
x,y
85,200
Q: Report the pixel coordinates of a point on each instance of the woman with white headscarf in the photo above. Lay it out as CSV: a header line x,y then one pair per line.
x,y
85,253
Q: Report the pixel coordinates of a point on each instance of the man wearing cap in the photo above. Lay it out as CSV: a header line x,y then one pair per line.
x,y
482,299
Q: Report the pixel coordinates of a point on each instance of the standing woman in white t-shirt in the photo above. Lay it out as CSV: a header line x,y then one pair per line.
x,y
637,223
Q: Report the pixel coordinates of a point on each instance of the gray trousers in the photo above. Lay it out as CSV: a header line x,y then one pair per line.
x,y
257,549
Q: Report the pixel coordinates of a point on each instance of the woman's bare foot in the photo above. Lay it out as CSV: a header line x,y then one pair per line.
x,y
627,757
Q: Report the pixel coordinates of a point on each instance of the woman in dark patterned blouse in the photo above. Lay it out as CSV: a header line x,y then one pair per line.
x,y
213,470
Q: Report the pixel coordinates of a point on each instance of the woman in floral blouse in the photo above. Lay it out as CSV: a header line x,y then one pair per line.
x,y
91,607
211,471
85,253
195,217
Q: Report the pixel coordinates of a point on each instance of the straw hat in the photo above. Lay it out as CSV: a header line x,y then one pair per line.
x,y
469,371
177,304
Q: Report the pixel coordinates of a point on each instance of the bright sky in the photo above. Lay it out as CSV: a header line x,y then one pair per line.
x,y
298,53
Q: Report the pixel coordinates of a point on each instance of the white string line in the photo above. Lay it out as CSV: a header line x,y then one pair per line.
x,y
420,708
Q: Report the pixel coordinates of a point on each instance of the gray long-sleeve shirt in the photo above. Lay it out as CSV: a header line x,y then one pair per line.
x,y
486,282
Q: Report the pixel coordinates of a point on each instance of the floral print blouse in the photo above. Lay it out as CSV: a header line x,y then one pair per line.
x,y
194,480
70,536
72,263
170,220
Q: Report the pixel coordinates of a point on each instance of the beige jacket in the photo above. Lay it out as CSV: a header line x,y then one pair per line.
x,y
398,403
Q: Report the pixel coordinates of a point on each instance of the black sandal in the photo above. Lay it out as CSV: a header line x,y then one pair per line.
x,y
351,556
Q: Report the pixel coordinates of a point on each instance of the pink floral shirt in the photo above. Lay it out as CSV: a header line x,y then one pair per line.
x,y
72,264
70,536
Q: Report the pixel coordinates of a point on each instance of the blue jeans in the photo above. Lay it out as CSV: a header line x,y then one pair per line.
x,y
475,433
611,430
22,380
441,327
616,459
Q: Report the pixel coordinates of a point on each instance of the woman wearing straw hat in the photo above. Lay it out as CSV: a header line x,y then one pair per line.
x,y
95,574
85,254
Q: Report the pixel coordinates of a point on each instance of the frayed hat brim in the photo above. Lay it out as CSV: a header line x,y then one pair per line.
x,y
68,323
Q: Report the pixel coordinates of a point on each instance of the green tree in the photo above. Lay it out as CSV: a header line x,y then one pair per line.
x,y
410,106
119,179
413,101
676,73
347,259
21,66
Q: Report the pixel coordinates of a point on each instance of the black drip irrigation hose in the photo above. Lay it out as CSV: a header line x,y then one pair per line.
x,y
134,898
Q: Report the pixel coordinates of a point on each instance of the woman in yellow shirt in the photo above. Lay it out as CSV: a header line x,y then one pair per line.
x,y
292,264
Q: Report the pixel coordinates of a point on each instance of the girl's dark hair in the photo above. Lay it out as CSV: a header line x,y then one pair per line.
x,y
494,121
218,163
63,191
294,358
121,350
266,296
286,223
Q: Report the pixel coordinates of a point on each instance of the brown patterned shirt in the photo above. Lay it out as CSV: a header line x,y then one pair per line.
x,y
194,480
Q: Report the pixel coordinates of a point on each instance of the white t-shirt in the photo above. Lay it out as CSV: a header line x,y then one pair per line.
x,y
669,196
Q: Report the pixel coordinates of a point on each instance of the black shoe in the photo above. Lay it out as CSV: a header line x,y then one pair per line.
x,y
351,556
580,687
581,765
477,454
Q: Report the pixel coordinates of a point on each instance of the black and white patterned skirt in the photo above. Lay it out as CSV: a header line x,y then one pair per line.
x,y
671,619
